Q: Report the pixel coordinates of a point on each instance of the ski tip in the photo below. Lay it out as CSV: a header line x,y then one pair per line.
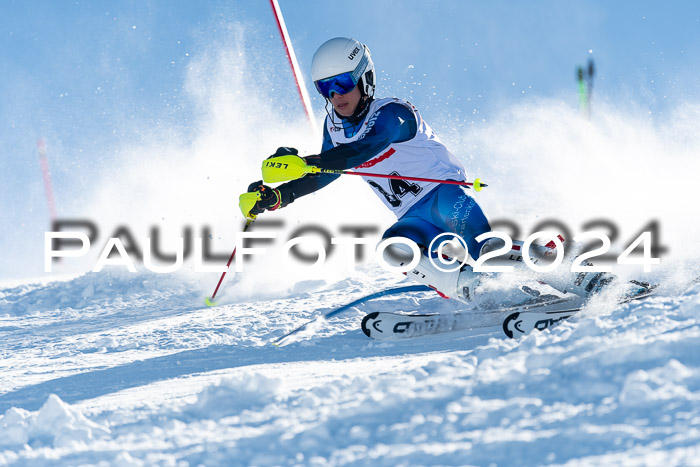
x,y
366,323
209,301
281,342
507,324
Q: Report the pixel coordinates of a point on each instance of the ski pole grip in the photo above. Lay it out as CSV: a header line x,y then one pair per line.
x,y
247,201
284,168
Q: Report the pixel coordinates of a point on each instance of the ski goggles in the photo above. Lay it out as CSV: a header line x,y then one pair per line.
x,y
342,83
339,84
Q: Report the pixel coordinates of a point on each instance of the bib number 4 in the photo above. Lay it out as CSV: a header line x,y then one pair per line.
x,y
399,188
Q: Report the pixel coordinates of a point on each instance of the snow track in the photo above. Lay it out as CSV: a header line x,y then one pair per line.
x,y
128,369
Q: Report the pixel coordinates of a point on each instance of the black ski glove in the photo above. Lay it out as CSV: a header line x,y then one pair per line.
x,y
314,160
271,199
284,152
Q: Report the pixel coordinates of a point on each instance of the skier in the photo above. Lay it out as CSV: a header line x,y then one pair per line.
x,y
390,136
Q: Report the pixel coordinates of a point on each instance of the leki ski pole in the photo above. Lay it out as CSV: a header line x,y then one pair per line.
x,y
246,202
210,300
291,167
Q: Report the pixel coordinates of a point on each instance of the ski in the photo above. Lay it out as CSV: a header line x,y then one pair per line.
x,y
392,326
386,325
519,320
521,323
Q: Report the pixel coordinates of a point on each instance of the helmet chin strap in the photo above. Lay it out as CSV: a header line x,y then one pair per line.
x,y
353,120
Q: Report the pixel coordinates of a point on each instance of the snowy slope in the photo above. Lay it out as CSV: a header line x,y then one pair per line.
x,y
130,369
114,368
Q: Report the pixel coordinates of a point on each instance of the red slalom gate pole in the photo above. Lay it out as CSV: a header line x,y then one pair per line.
x,y
210,300
298,77
305,100
41,146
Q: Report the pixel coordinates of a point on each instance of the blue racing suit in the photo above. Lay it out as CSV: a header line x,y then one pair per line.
x,y
438,208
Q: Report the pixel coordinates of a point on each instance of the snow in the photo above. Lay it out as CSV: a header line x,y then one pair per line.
x,y
119,368
115,368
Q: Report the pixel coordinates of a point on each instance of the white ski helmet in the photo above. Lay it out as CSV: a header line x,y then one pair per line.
x,y
340,64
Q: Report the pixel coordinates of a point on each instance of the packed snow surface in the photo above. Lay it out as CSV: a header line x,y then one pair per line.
x,y
116,368
128,369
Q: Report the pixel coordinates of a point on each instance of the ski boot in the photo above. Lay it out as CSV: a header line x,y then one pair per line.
x,y
460,283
